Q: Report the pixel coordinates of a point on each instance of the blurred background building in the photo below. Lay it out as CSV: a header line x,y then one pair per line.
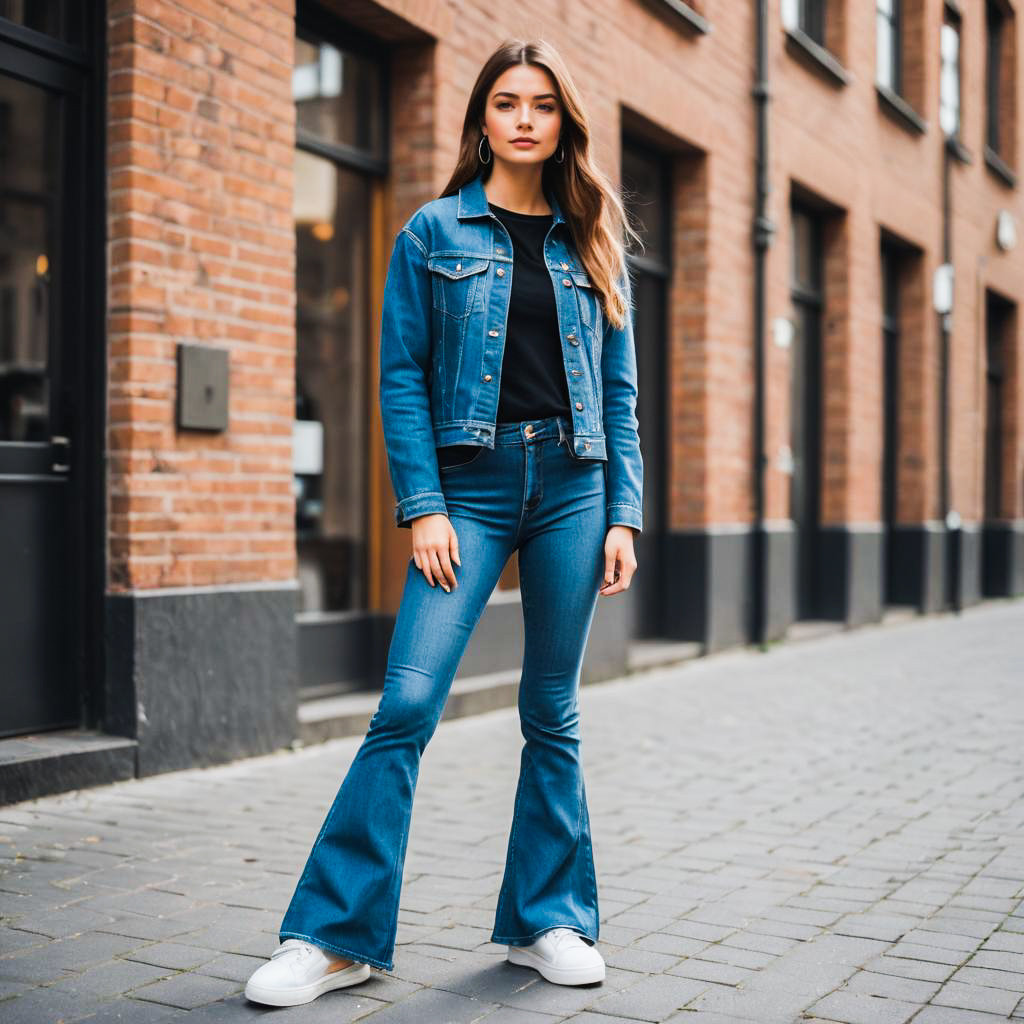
x,y
197,552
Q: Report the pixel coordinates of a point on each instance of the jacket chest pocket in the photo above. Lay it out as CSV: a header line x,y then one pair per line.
x,y
586,297
456,282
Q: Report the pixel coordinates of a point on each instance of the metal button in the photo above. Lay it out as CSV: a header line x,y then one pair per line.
x,y
501,271
576,373
499,248
586,444
575,341
458,266
487,376
571,335
493,334
579,405
565,266
528,430
566,282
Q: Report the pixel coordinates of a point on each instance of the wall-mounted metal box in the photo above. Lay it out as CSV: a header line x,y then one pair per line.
x,y
202,387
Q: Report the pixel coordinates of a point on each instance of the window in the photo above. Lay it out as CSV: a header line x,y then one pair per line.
x,y
1000,78
888,71
949,78
807,16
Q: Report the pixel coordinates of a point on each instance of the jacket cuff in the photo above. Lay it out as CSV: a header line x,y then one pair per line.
x,y
421,504
625,515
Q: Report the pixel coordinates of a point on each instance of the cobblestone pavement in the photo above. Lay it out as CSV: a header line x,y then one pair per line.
x,y
833,831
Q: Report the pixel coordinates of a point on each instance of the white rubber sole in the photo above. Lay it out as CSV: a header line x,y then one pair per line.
x,y
351,975
524,957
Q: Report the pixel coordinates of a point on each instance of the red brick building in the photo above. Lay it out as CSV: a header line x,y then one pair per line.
x,y
200,200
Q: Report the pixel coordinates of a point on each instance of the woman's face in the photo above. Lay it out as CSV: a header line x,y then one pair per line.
x,y
523,103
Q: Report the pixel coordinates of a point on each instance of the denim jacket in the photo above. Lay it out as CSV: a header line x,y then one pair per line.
x,y
445,309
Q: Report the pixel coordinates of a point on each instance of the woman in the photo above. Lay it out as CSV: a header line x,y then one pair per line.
x,y
514,276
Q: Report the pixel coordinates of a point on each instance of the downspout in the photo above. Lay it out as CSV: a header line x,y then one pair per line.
x,y
951,522
762,235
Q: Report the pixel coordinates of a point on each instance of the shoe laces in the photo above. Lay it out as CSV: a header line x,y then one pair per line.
x,y
560,936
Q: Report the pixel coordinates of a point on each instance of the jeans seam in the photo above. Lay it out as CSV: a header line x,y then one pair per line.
x,y
510,867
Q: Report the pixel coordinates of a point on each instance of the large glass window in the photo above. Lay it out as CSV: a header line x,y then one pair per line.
x,y
338,97
59,18
29,215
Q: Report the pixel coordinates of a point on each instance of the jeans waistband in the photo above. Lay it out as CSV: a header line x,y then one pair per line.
x,y
524,431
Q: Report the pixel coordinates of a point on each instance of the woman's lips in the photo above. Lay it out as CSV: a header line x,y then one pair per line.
x,y
524,142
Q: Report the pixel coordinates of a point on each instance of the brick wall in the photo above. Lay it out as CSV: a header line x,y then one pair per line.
x,y
201,250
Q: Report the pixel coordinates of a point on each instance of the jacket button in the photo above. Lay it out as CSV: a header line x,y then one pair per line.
x,y
586,444
566,282
571,335
487,376
565,266
575,341
458,266
501,271
493,334
579,405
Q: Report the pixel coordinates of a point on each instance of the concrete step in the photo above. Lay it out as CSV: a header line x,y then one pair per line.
x,y
39,764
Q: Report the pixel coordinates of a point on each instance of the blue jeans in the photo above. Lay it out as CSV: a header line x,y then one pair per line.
x,y
527,493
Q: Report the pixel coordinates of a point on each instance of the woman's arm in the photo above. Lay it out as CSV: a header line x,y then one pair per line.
x,y
619,383
405,361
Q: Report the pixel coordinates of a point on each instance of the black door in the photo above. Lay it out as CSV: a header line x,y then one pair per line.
x,y
646,194
807,279
890,411
47,211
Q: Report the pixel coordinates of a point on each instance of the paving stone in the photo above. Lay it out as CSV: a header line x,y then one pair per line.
x,y
976,997
187,990
857,1008
652,998
949,1015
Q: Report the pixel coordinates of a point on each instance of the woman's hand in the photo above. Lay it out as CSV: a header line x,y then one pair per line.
x,y
619,560
434,548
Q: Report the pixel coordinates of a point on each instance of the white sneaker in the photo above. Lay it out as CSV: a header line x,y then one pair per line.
x,y
561,956
298,972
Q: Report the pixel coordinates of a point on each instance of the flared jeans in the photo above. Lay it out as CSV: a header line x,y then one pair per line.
x,y
530,494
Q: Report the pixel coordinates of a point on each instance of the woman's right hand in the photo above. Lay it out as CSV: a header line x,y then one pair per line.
x,y
434,547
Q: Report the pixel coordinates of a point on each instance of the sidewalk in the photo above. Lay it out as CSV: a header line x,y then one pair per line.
x,y
832,831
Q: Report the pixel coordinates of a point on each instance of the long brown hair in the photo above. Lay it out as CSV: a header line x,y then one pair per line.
x,y
590,203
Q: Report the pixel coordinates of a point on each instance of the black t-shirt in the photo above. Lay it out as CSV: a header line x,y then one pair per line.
x,y
533,384
533,381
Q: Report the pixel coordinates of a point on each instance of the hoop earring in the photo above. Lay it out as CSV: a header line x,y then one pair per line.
x,y
483,139
560,160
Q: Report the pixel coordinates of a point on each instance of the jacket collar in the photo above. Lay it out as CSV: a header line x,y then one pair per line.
x,y
473,201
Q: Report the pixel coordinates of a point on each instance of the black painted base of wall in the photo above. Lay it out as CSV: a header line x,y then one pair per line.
x,y
202,677
710,575
1002,559
918,560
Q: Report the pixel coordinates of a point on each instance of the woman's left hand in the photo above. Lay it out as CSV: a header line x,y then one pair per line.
x,y
619,560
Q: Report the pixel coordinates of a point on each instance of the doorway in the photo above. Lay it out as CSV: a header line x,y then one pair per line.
x,y
52,363
646,194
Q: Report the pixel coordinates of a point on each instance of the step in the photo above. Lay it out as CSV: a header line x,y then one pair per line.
x,y
43,763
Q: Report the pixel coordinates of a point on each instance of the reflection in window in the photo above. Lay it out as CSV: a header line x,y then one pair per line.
x,y
332,412
338,95
949,80
28,209
887,45
60,18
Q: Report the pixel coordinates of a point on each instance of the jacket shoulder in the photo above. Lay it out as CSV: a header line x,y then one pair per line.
x,y
424,221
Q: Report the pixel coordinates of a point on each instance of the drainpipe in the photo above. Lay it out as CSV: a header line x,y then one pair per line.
x,y
951,521
763,230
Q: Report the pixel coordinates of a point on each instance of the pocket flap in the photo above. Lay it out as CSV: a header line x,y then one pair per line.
x,y
456,266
